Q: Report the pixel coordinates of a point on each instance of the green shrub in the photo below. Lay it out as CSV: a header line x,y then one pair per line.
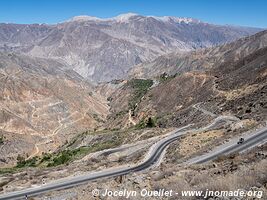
x,y
63,158
21,162
151,122
140,87
46,157
1,140
165,77
67,156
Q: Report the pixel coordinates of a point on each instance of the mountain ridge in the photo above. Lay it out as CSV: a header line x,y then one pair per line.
x,y
202,59
126,16
104,50
228,79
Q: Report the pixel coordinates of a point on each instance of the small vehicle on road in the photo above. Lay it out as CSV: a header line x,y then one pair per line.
x,y
240,141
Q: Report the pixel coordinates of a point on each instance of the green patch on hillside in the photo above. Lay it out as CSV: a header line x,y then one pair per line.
x,y
78,137
121,113
22,162
140,87
165,77
69,155
64,156
148,123
10,170
1,140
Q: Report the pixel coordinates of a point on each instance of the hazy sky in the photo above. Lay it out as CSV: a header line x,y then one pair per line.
x,y
234,12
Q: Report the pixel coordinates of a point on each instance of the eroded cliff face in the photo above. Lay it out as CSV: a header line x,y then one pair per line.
x,y
101,50
42,106
234,82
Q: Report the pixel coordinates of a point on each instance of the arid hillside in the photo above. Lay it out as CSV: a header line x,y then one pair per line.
x,y
200,60
235,83
40,108
102,49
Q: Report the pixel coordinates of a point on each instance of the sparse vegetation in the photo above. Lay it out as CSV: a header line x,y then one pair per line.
x,y
8,170
22,162
60,159
151,122
165,77
140,87
1,140
46,157
68,155
97,118
141,124
121,113
246,172
146,123
65,156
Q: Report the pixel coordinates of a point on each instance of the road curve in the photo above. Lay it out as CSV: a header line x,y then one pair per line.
x,y
251,140
153,156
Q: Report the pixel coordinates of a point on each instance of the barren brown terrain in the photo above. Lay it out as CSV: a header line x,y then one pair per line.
x,y
55,122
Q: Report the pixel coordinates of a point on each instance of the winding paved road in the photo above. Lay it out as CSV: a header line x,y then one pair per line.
x,y
250,141
152,158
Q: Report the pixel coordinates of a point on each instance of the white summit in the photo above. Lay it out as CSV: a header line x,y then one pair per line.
x,y
124,18
186,20
119,18
84,18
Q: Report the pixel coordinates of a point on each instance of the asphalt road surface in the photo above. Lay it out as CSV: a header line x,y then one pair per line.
x,y
250,141
152,157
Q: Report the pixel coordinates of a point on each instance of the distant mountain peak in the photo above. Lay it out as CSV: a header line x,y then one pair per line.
x,y
120,18
124,17
127,16
186,20
84,18
104,49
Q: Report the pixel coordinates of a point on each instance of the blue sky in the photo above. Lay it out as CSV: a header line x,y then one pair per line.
x,y
234,12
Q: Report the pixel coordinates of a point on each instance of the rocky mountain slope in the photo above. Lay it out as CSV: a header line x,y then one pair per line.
x,y
232,80
50,114
45,99
105,49
40,108
200,60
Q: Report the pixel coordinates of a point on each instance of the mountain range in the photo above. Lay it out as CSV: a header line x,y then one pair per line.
x,y
50,88
226,79
102,50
